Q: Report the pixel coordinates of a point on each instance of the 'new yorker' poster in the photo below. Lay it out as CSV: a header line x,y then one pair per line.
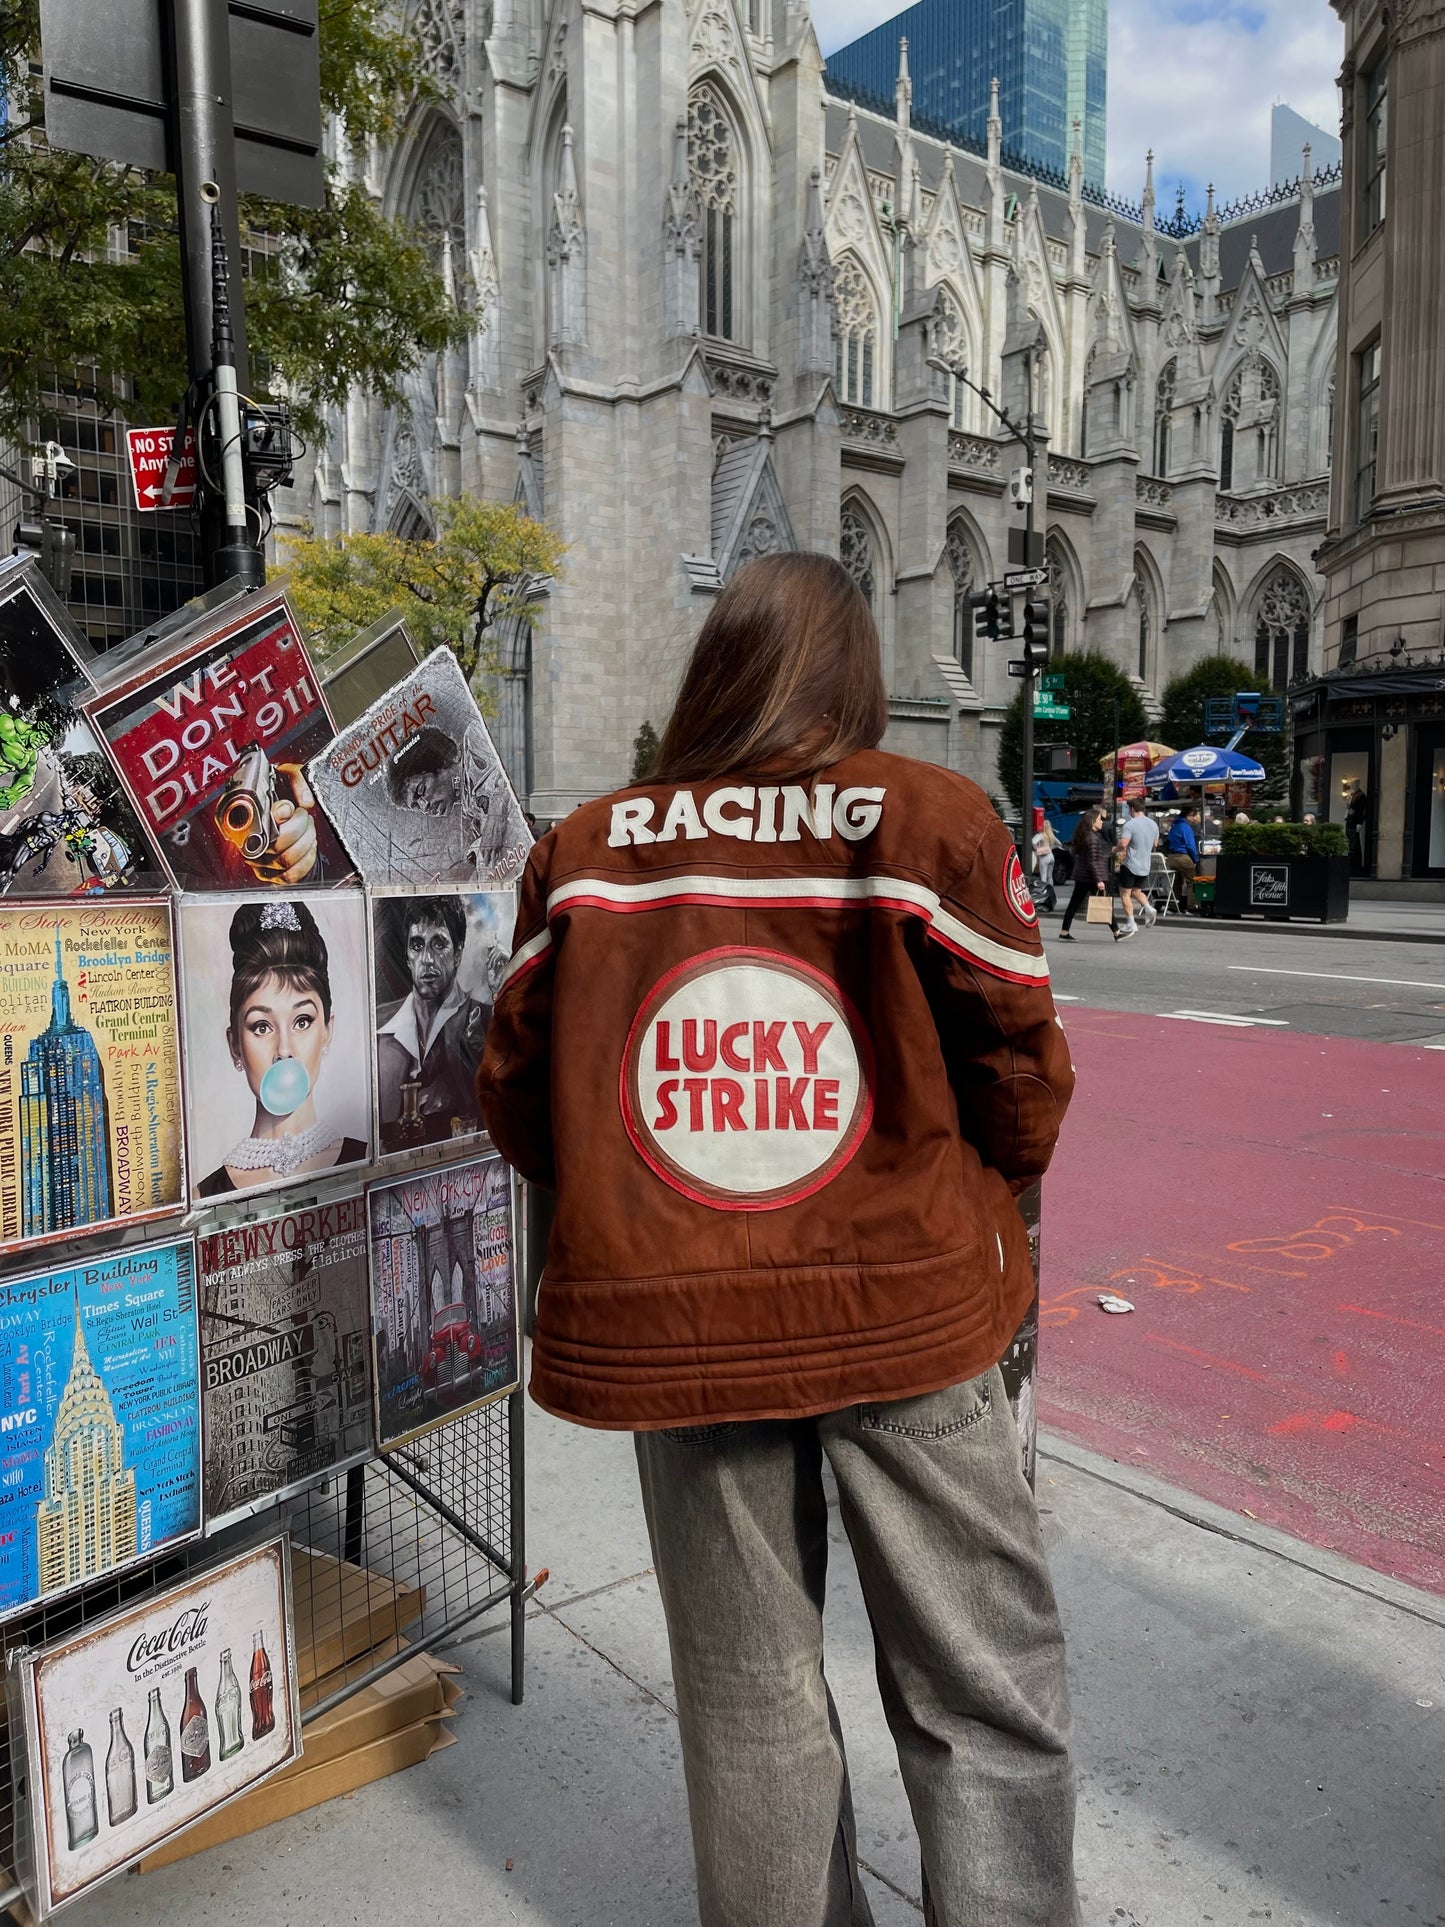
x,y
90,1110
100,1422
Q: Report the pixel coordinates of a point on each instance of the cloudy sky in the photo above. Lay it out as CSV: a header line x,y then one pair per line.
x,y
1193,79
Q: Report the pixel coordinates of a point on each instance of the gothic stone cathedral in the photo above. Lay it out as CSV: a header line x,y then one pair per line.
x,y
710,300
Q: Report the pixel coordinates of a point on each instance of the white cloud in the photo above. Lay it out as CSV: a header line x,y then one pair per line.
x,y
1193,79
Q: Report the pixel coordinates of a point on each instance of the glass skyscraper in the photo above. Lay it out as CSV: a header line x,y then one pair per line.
x,y
1050,57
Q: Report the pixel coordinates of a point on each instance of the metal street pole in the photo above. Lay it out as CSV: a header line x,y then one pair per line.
x,y
200,54
1026,828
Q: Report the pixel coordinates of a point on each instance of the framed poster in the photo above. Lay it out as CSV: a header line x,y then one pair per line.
x,y
211,731
437,960
65,824
101,1462
90,1083
286,1354
151,1719
417,790
443,1295
276,1008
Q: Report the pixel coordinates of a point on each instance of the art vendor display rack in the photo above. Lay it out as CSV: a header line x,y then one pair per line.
x,y
394,1550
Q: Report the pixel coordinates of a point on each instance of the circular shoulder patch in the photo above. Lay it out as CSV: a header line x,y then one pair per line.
x,y
746,1080
1016,889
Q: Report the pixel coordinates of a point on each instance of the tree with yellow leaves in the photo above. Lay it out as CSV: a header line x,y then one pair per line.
x,y
484,568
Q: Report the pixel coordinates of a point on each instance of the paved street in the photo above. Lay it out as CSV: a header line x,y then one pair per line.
x,y
1282,1235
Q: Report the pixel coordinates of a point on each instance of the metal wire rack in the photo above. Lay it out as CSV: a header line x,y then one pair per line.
x,y
393,1556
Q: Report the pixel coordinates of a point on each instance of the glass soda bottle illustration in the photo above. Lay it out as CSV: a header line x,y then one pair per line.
x,y
263,1711
228,1708
82,1820
195,1731
160,1773
120,1796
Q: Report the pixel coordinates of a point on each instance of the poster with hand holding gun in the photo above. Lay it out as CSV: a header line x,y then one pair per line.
x,y
211,742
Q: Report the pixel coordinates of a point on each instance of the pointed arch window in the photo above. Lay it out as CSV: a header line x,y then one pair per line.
x,y
959,553
1164,417
857,342
951,345
712,158
1282,629
1146,634
855,549
1058,601
1228,416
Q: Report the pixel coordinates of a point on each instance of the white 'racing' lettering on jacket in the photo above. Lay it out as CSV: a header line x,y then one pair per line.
x,y
769,813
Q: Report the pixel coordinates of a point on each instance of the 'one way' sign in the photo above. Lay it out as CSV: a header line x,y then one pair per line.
x,y
150,450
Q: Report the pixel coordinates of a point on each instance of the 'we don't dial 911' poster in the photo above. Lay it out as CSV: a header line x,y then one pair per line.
x,y
100,1434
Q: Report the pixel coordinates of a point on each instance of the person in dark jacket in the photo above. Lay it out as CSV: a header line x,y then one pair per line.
x,y
777,1029
1091,867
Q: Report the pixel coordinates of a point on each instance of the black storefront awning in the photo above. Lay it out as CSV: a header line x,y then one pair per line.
x,y
1426,679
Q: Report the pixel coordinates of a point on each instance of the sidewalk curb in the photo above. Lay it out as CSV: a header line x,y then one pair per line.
x,y
1248,1532
1281,927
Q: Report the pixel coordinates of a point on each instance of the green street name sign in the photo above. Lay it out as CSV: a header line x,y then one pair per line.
x,y
1053,682
1052,712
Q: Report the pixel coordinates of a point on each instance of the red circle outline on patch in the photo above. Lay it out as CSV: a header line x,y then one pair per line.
x,y
1013,875
672,1175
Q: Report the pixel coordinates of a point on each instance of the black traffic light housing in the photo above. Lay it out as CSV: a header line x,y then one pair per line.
x,y
1036,625
990,616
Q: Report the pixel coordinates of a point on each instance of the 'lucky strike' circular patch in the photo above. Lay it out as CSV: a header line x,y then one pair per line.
x,y
746,1080
1016,889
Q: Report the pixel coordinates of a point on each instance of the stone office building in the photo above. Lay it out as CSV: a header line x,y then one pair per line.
x,y
710,300
1376,717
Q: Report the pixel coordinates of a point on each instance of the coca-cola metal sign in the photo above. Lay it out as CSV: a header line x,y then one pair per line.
x,y
151,1719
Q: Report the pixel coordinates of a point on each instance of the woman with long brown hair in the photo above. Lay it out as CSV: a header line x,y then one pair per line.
x,y
777,1030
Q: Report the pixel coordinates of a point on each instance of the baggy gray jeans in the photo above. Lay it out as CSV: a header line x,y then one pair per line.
x,y
969,1653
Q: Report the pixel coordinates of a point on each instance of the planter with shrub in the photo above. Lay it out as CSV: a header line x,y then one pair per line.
x,y
1284,870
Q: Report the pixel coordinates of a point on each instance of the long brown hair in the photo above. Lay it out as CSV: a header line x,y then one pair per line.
x,y
786,676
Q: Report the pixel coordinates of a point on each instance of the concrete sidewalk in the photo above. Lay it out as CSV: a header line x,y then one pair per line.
x,y
1371,920
1260,1734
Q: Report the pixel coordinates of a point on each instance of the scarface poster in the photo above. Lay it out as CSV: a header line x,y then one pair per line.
x,y
286,1377
416,788
65,824
276,1009
438,958
211,739
443,1297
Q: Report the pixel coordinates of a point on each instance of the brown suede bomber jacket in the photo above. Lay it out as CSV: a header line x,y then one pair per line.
x,y
786,1053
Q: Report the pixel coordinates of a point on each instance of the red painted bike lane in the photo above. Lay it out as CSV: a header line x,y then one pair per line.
x,y
1273,1204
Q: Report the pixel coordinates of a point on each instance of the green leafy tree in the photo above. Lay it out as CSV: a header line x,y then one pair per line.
x,y
1093,686
483,568
1183,720
340,296
645,746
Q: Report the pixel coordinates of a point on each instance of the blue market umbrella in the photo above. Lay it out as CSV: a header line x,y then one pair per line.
x,y
1205,764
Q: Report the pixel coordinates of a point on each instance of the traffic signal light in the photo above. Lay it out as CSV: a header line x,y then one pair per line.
x,y
986,616
1036,625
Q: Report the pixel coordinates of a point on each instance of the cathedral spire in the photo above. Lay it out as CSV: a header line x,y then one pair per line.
x,y
903,88
1209,259
1149,247
1304,240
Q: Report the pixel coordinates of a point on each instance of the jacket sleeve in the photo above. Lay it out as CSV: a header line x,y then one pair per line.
x,y
514,1078
988,985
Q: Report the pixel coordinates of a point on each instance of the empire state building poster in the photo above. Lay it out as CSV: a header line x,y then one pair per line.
x,y
89,1068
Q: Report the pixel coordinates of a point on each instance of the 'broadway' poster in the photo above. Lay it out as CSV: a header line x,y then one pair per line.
x,y
90,1109
443,1298
100,1463
417,790
287,1371
212,740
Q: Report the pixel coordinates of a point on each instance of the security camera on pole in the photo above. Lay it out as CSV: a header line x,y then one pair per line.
x,y
1018,607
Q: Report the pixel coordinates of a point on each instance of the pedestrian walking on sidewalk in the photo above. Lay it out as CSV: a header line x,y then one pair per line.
x,y
1045,842
1091,867
777,1029
1138,840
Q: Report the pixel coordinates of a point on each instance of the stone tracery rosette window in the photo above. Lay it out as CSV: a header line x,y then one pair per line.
x,y
1282,629
855,549
857,339
712,158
